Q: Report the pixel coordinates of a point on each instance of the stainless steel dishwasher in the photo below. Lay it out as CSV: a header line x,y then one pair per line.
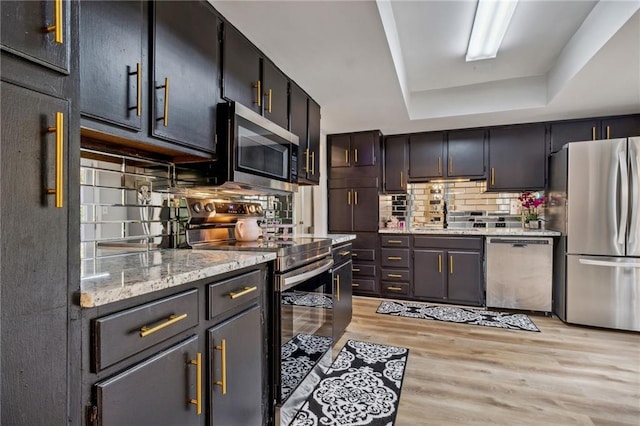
x,y
519,273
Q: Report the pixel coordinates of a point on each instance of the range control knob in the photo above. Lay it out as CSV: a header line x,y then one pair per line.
x,y
209,207
197,207
259,209
252,208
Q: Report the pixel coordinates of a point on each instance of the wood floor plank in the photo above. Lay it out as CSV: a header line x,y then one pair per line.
x,y
459,374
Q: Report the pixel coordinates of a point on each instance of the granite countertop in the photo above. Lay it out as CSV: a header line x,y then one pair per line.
x,y
474,231
337,238
112,279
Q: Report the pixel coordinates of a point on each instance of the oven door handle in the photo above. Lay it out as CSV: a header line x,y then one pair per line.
x,y
309,271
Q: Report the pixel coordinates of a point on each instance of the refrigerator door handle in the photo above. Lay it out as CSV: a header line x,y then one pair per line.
x,y
609,263
624,197
634,159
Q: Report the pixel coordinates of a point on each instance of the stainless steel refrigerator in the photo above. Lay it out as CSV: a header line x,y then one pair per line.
x,y
594,200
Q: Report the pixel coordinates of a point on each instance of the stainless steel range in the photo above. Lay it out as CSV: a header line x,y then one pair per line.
x,y
300,301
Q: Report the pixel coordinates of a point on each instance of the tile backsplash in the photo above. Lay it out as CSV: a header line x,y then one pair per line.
x,y
423,203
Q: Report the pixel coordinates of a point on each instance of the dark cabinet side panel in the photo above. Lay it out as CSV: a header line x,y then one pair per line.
x,y
426,155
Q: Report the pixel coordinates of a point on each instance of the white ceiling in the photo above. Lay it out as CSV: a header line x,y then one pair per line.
x,y
399,66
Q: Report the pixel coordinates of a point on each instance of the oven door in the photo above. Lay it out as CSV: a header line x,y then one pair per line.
x,y
304,299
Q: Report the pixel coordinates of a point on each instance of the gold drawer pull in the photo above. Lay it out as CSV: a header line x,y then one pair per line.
x,y
306,160
223,349
59,131
355,155
269,95
258,88
451,264
394,288
493,176
394,275
394,258
355,285
313,163
355,269
337,281
246,290
344,253
593,133
354,254
198,401
394,242
145,331
57,27
346,156
440,263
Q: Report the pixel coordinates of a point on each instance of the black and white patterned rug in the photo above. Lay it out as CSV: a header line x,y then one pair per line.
x,y
362,387
298,357
459,315
313,300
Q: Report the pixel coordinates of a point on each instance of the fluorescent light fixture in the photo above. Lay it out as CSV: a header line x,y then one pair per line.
x,y
489,27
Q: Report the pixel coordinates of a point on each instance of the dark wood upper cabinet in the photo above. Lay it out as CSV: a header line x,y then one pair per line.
x,y
185,73
395,164
620,127
305,123
340,210
240,70
275,92
517,158
314,141
355,155
113,81
572,131
363,148
426,155
339,155
24,32
350,209
465,153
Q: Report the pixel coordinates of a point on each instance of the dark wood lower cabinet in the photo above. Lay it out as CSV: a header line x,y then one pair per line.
x,y
157,391
236,368
342,291
428,280
464,274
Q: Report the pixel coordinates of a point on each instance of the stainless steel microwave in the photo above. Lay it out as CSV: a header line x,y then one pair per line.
x,y
254,153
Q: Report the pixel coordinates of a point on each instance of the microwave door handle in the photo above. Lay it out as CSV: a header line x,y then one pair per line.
x,y
288,282
624,196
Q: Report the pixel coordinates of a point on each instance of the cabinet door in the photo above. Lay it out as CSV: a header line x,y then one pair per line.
x,y
236,364
314,141
363,148
365,209
573,131
24,32
275,91
185,73
154,392
395,164
429,279
464,277
621,127
517,158
426,155
342,298
465,153
33,276
339,148
340,210
110,87
241,70
298,126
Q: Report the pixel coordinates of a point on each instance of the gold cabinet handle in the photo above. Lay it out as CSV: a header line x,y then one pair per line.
x,y
354,254
394,258
394,288
138,74
337,281
593,133
344,253
355,269
439,165
355,155
394,242
355,284
450,165
306,160
145,331
451,265
493,176
346,156
394,276
349,198
244,291
355,197
313,163
608,132
269,95
57,26
198,401
258,88
223,351
440,263
401,180
165,117
59,131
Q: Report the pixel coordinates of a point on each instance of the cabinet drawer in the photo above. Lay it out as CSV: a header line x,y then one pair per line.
x,y
363,286
395,289
360,270
395,275
120,335
363,254
395,258
226,295
395,241
341,254
471,243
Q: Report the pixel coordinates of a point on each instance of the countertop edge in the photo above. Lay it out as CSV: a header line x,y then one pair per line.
x,y
495,232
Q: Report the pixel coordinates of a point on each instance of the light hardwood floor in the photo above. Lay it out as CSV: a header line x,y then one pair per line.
x,y
460,374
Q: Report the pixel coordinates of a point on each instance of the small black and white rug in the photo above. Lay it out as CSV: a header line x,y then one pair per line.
x,y
459,315
309,299
298,357
362,387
